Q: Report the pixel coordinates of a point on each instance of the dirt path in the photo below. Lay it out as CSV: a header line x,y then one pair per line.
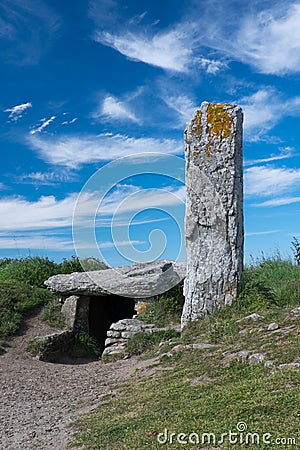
x,y
39,399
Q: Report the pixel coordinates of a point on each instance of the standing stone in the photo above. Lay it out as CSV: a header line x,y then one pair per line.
x,y
214,209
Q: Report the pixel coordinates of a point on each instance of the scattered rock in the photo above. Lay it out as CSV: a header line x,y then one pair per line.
x,y
273,326
295,311
242,332
202,346
294,365
269,363
243,355
256,358
253,316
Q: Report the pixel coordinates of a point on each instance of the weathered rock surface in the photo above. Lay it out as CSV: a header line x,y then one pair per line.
x,y
214,209
121,331
141,280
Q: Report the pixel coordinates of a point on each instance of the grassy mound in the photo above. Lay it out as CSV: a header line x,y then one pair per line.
x,y
198,394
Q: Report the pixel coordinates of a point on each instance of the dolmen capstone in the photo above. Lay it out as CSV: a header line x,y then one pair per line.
x,y
104,303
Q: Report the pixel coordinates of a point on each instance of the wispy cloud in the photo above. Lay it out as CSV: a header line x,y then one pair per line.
x,y
211,66
268,180
277,202
182,105
28,27
69,122
112,108
73,151
129,198
17,213
45,123
270,40
168,50
46,178
264,109
261,233
38,241
16,112
285,153
114,244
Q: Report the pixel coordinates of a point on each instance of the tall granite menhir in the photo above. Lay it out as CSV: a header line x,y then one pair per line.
x,y
214,210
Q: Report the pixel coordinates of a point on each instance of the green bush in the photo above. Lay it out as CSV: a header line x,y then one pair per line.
x,y
142,342
32,270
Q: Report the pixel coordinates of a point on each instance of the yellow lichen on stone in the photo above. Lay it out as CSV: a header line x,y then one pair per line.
x,y
197,121
141,306
196,153
208,153
219,122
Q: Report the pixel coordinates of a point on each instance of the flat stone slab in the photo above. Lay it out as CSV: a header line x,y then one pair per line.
x,y
141,280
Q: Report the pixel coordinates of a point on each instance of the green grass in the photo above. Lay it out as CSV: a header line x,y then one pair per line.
x,y
210,391
16,298
51,314
165,308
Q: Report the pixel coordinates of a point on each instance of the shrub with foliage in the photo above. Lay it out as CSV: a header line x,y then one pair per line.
x,y
32,271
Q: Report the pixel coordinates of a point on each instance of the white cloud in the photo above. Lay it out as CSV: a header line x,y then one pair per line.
x,y
267,180
45,124
211,66
115,244
69,122
16,112
285,153
72,151
35,241
17,213
270,40
182,105
264,109
169,50
278,202
261,233
128,199
112,108
46,178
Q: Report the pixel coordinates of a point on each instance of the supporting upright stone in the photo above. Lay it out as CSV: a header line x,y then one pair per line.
x,y
214,209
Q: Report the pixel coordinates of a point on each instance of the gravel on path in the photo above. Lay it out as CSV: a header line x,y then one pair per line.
x,y
39,399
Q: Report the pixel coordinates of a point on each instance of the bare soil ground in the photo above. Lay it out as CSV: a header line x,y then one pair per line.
x,y
39,400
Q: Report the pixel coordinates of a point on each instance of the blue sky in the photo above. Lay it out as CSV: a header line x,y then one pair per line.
x,y
85,83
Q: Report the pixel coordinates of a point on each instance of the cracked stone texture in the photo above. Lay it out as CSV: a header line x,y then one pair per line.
x,y
141,280
214,229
